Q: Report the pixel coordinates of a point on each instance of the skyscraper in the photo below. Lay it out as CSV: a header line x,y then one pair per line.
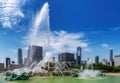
x,y
2,69
28,62
104,61
79,54
111,55
34,54
25,62
8,64
96,59
20,60
66,57
117,60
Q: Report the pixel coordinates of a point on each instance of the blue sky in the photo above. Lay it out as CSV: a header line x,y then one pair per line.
x,y
97,20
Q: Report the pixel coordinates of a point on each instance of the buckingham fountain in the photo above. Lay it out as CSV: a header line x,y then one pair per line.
x,y
48,67
40,36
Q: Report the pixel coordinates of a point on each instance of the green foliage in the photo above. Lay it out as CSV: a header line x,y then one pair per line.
x,y
78,66
116,69
104,68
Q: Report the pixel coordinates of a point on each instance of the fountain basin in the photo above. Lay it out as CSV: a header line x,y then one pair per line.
x,y
104,79
53,73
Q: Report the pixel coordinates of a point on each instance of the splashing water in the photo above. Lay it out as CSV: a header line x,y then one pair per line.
x,y
40,36
89,72
40,33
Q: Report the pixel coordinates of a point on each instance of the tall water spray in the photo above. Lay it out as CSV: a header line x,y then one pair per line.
x,y
40,36
40,31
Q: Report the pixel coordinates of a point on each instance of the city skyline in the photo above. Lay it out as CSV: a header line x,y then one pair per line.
x,y
35,54
93,25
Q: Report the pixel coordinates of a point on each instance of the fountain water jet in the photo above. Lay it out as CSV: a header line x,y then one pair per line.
x,y
40,31
89,72
40,36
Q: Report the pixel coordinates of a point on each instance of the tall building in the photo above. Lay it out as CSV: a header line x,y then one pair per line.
x,y
104,61
2,69
66,57
14,66
13,62
26,62
34,54
117,60
8,64
97,60
79,54
20,60
84,62
111,55
89,63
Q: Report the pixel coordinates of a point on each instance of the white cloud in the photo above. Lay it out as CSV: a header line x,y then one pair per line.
x,y
105,45
63,41
60,41
10,12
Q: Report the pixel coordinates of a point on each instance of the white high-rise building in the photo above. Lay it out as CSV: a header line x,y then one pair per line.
x,y
117,60
104,61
